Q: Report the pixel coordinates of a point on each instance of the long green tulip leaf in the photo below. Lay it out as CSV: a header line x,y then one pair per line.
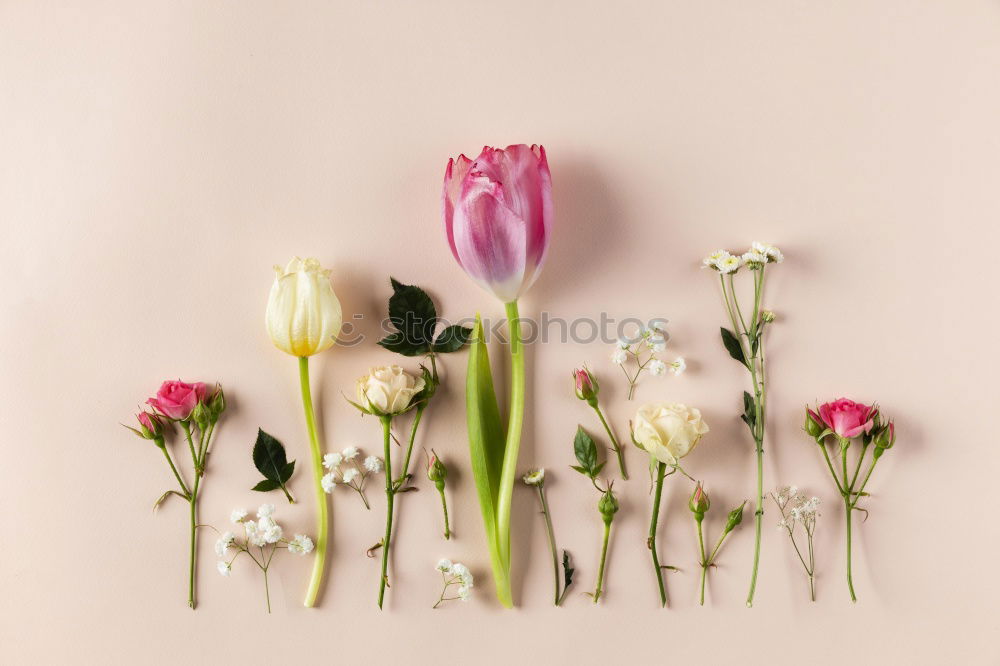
x,y
486,437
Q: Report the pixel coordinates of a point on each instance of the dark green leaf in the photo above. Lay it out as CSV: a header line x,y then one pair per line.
x,y
400,344
568,571
749,415
586,451
581,470
266,485
412,313
452,339
733,346
286,472
269,456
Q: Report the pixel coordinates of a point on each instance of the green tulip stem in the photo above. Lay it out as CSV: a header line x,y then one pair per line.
x,y
390,494
661,470
322,517
614,440
512,446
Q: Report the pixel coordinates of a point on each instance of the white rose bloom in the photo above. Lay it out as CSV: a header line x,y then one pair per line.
x,y
668,431
388,389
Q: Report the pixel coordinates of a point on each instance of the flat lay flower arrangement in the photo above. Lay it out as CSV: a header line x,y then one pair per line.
x,y
498,217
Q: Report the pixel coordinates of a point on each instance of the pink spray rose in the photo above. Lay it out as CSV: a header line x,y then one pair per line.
x,y
177,399
586,385
846,418
498,216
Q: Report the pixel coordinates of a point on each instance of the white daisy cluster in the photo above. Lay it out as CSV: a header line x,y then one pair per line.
x,y
640,353
454,574
755,258
262,536
351,474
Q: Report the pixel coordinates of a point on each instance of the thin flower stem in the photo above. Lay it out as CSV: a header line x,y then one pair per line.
x,y
390,494
322,517
661,469
364,497
857,468
849,511
267,591
552,539
444,507
614,441
704,560
812,570
868,475
829,463
177,474
405,474
604,557
194,538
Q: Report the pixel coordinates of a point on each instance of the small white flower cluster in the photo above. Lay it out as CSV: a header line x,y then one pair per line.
x,y
755,258
264,531
454,574
796,508
258,534
642,352
351,473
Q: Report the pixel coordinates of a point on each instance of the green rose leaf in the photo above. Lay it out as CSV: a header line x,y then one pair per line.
x,y
586,453
412,313
398,343
452,339
270,460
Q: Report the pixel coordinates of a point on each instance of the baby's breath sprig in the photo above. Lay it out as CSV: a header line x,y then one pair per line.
x,y
797,510
641,354
454,574
264,537
352,474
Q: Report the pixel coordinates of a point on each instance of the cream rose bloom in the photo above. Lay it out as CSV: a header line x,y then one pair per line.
x,y
388,389
668,431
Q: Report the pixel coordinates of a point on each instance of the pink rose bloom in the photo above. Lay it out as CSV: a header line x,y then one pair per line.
x,y
177,399
846,418
498,216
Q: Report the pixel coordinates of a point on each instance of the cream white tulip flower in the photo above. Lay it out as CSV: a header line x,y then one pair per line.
x,y
303,313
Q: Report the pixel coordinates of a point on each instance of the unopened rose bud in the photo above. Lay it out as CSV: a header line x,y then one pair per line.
x,y
217,404
151,427
201,415
608,506
436,471
735,518
586,386
814,424
699,502
886,437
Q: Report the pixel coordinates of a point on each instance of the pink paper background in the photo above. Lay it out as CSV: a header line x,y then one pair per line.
x,y
159,157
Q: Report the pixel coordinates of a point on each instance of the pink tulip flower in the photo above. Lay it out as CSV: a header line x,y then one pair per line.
x,y
498,216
